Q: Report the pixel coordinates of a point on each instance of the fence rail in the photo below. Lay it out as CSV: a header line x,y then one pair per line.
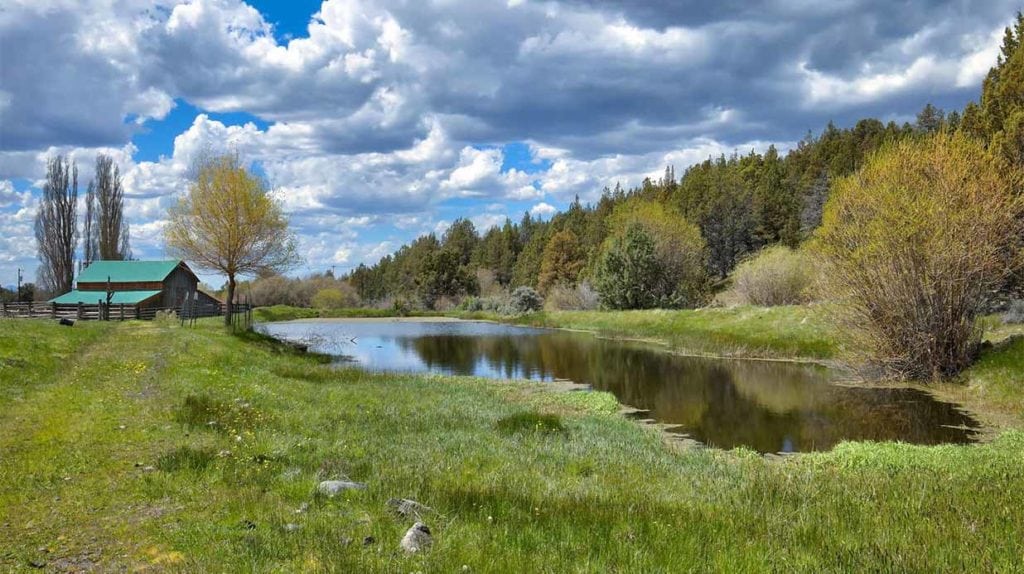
x,y
105,312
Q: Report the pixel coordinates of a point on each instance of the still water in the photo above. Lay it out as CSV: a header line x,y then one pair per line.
x,y
766,406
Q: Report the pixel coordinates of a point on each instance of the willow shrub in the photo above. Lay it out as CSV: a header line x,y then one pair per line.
x,y
775,276
912,244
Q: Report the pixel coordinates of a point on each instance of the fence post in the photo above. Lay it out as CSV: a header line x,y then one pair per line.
x,y
53,310
3,305
29,309
122,311
79,315
138,314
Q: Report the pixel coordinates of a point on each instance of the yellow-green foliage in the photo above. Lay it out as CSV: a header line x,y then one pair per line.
x,y
678,244
913,243
775,276
341,297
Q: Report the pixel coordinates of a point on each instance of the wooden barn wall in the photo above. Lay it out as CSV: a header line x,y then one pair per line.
x,y
176,287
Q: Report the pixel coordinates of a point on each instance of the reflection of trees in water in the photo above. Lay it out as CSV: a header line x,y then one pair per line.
x,y
767,406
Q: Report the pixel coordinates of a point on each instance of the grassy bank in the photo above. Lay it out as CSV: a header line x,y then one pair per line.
x,y
141,445
779,332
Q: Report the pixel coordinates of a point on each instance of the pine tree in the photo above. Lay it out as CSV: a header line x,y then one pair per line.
x,y
561,263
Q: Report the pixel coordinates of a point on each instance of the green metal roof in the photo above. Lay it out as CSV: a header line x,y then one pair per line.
x,y
92,297
127,271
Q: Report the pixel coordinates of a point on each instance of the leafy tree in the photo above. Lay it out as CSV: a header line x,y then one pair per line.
x,y
56,225
228,223
628,270
914,244
561,262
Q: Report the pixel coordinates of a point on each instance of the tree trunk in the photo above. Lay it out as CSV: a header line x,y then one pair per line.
x,y
230,300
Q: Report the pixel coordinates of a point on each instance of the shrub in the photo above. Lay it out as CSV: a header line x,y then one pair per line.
x,y
629,271
579,298
913,243
672,273
775,276
525,300
1014,313
343,296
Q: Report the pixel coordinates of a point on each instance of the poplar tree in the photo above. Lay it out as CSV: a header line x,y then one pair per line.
x,y
56,225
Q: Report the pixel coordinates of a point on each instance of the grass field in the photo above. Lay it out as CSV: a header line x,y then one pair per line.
x,y
155,447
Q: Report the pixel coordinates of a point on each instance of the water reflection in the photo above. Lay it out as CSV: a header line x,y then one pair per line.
x,y
766,406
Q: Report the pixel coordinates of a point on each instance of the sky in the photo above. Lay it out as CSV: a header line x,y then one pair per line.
x,y
376,121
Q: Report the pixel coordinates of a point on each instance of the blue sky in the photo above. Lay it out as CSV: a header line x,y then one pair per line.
x,y
379,120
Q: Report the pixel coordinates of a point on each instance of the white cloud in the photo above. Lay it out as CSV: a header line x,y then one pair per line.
x,y
543,210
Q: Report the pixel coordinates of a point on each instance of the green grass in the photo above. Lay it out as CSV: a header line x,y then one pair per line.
x,y
782,332
105,460
288,313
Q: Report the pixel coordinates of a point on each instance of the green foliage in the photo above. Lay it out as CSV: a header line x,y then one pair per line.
x,y
442,275
1000,117
629,271
913,244
775,276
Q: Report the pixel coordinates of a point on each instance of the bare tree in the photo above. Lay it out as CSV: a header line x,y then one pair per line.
x,y
112,232
57,226
90,247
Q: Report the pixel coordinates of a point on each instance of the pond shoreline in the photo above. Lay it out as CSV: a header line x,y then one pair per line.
x,y
643,377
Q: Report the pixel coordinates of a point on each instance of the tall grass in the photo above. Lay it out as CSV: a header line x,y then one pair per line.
x,y
775,276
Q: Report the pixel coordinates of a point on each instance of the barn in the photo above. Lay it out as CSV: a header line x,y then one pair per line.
x,y
139,284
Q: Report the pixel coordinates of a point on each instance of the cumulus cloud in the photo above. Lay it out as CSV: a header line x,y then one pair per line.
x,y
382,111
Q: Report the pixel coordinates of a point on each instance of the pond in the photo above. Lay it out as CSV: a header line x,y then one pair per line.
x,y
768,406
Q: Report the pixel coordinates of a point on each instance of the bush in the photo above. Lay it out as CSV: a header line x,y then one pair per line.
x,y
775,276
669,272
1014,313
913,244
343,296
525,300
566,298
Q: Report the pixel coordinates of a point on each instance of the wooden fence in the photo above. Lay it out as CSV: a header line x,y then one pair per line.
x,y
105,312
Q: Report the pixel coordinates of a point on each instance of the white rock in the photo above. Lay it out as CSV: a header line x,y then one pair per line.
x,y
417,538
333,487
